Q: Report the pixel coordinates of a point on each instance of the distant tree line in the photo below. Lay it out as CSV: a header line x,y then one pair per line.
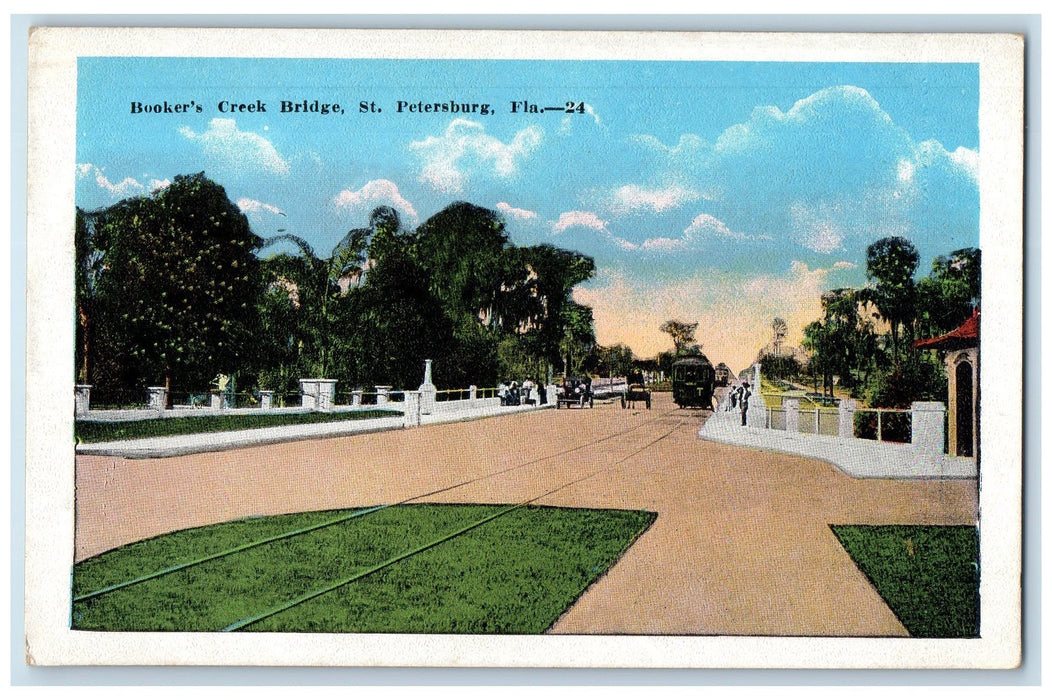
x,y
865,336
175,288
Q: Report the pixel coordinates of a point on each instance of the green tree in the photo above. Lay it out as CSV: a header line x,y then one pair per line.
x,y
286,339
818,340
665,361
891,264
89,268
578,336
615,361
462,248
393,322
841,341
312,285
682,333
386,233
780,366
481,283
516,360
179,284
949,294
556,325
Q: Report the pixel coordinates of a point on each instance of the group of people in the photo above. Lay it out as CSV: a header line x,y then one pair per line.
x,y
514,395
738,399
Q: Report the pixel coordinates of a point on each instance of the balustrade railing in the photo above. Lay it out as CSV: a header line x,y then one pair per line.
x,y
923,424
206,399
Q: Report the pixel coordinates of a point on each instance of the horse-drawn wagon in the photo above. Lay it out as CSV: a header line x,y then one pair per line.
x,y
636,391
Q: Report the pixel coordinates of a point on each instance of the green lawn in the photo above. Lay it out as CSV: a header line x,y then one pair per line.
x,y
928,575
106,431
515,574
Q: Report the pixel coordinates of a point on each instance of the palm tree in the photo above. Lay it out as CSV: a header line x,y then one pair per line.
x,y
321,281
892,262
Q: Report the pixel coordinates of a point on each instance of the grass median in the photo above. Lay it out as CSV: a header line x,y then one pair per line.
x,y
512,574
109,431
928,575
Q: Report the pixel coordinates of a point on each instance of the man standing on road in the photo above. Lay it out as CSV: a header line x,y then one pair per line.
x,y
743,400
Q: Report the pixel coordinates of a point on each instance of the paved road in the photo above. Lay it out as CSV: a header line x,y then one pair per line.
x,y
741,544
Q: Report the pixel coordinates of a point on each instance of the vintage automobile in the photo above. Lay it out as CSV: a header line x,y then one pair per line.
x,y
576,391
636,391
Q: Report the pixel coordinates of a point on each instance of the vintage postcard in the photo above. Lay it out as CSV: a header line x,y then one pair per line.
x,y
551,349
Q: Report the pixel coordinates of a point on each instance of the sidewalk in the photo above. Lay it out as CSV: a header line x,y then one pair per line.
x,y
177,445
865,459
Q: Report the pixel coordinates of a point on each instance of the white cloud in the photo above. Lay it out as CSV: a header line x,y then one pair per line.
x,y
906,170
706,224
844,265
687,144
232,148
630,198
931,153
704,227
832,172
586,219
254,206
125,188
968,160
663,244
590,111
465,147
817,227
373,194
128,187
576,221
515,213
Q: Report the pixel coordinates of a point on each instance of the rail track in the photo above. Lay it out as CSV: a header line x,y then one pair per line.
x,y
659,419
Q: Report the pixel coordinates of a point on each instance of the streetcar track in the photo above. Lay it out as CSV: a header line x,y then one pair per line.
x,y
317,593
367,511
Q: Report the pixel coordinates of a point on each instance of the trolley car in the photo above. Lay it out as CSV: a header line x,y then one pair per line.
x,y
693,381
723,374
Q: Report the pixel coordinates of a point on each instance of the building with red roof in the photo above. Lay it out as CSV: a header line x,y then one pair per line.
x,y
961,346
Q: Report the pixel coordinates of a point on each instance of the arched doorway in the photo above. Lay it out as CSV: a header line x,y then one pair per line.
x,y
965,409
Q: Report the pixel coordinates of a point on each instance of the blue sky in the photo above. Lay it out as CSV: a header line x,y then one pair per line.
x,y
714,192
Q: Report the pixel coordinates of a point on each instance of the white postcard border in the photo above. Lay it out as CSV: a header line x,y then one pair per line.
x,y
49,370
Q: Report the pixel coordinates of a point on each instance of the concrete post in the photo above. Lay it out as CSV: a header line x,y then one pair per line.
x,y
428,392
326,394
928,420
309,394
756,416
216,401
412,408
356,397
846,413
473,394
158,397
81,399
317,394
551,394
792,415
383,395
266,399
